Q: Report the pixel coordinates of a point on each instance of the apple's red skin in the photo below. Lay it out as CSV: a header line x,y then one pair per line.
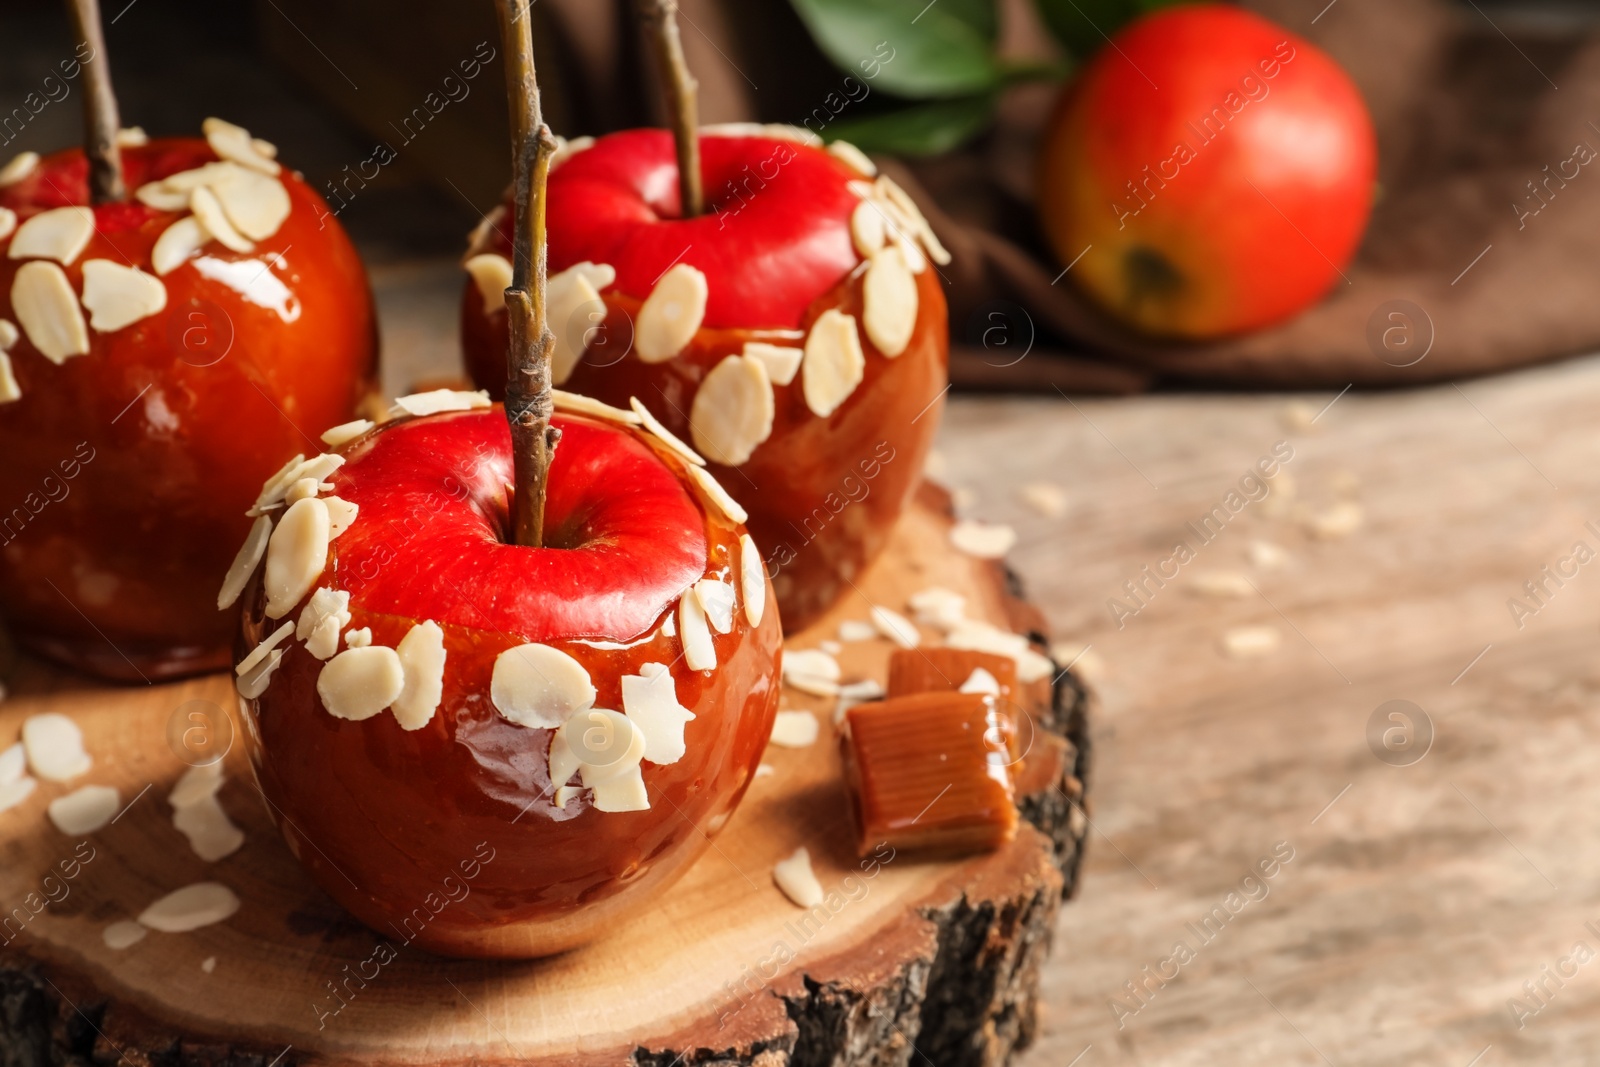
x,y
384,819
120,575
1259,220
823,494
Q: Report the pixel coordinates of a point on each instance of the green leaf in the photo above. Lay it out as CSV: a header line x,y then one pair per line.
x,y
908,48
920,130
1083,26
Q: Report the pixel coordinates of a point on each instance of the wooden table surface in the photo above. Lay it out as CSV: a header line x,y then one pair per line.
x,y
1422,892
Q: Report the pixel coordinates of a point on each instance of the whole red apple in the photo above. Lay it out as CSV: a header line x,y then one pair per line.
x,y
158,358
1207,173
795,332
485,748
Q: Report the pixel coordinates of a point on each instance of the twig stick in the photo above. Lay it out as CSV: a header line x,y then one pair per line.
x,y
101,121
528,401
660,18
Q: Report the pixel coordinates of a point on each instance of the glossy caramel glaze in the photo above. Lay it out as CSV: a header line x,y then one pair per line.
x,y
448,836
126,472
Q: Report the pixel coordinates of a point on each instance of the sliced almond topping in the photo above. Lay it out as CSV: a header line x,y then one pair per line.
x,y
908,207
569,293
539,686
119,296
664,435
437,400
21,165
752,580
54,745
586,405
1251,642
162,196
650,699
212,835
625,792
422,658
851,630
9,390
482,237
190,908
671,314
861,187
264,148
255,682
256,204
8,222
797,880
699,650
123,934
491,273
566,149
132,137
895,626
1047,498
718,600
235,143
48,310
598,275
84,810
177,244
902,232
606,744
732,411
358,683
563,761
212,174
261,651
1220,584
60,234
327,613
867,229
833,364
565,793
297,554
730,508
794,729
1341,520
780,361
9,335
854,156
341,513
984,540
208,210
889,302
360,638
273,488
13,764
346,432
777,131
245,563
938,607
14,793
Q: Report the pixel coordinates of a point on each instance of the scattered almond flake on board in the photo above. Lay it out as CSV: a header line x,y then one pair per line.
x,y
1220,584
1341,520
539,686
190,908
943,609
567,294
1267,556
854,156
255,682
889,302
781,362
123,934
319,625
297,554
1047,498
976,635
84,810
438,400
1299,416
752,580
422,660
832,648
699,650
851,630
1251,642
732,411
731,509
578,404
980,681
8,222
794,729
208,210
47,309
20,166
358,638
208,964
811,671
867,229
196,784
833,364
245,562
177,244
54,745
212,835
962,499
345,432
797,880
359,683
491,273
895,626
60,234
982,539
1080,658
650,700
853,693
341,514
719,601
13,764
235,144
664,435
937,466
262,650
671,314
256,204
763,770
14,793
9,389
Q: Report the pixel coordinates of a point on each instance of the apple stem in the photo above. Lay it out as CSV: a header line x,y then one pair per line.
x,y
101,120
528,399
660,18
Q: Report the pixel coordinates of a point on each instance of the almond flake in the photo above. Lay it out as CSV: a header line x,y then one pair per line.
x,y
346,432
256,204
764,770
1220,584
255,682
196,784
861,187
606,744
569,293
297,554
8,222
699,650
730,508
9,389
794,729
48,311
976,635
671,314
1046,498
625,792
235,144
358,638
895,626
21,165
854,156
902,231
13,764
867,230
317,468
718,600
260,652
539,686
563,761
132,137
177,244
341,514
781,361
982,539
565,793
980,681
851,630
938,607
438,400
358,683
118,296
797,880
732,411
566,149
327,613
578,404
598,275
212,835
190,908
162,196
264,148
302,488
422,657
54,745
752,580
833,364
889,302
14,793
123,934
664,435
776,131
908,207
245,563
84,810
1341,520
650,699
832,648
1267,556
208,211
1251,642
491,273
811,671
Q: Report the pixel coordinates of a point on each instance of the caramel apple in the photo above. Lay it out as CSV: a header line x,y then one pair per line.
x,y
169,327
504,672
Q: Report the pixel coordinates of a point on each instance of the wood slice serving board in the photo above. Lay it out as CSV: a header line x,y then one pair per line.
x,y
909,960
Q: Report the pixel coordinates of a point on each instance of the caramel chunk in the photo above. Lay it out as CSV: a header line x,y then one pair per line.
x,y
930,771
946,670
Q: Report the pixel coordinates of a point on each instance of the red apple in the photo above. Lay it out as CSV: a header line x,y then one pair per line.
x,y
1207,173
409,761
154,373
705,320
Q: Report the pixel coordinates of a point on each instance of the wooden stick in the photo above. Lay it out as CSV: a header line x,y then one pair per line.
x,y
660,18
528,400
101,121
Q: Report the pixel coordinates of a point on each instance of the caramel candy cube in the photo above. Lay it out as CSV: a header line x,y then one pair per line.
x,y
930,772
946,670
